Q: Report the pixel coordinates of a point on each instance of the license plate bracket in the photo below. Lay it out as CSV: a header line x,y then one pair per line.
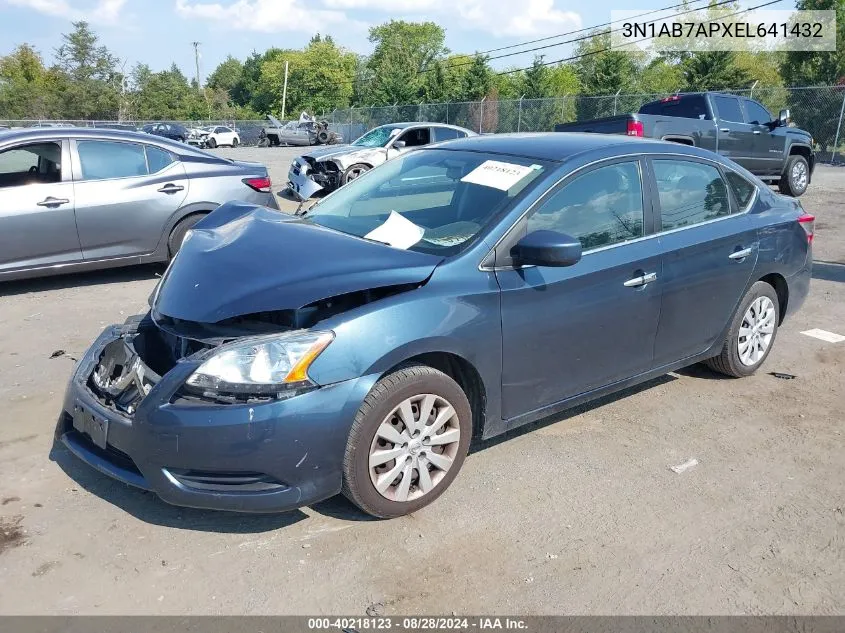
x,y
95,427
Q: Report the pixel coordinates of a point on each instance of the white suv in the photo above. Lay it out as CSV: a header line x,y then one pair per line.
x,y
221,135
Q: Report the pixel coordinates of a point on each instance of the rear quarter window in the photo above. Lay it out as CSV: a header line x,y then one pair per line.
x,y
742,189
689,192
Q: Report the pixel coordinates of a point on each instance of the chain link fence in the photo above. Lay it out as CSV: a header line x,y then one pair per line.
x,y
818,110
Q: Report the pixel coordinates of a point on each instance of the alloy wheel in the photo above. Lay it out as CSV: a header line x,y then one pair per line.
x,y
414,447
799,175
756,331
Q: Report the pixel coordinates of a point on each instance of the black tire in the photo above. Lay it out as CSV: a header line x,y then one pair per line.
x,y
264,142
235,142
354,171
791,182
405,382
323,137
728,361
177,235
211,143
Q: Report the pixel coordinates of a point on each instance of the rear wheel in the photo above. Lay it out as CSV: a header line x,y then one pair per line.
x,y
795,177
177,235
407,443
354,172
752,333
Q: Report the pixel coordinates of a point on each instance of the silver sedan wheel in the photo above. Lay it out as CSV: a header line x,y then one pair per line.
x,y
414,447
756,331
799,175
355,173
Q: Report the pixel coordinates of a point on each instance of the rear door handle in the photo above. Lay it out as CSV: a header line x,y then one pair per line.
x,y
641,281
171,188
725,129
756,132
50,201
745,252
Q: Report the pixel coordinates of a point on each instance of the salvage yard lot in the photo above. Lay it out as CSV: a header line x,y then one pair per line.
x,y
577,514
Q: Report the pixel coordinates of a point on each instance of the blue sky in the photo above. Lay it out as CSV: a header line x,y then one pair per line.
x,y
158,32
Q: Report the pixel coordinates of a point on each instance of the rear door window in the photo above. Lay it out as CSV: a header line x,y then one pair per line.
x,y
689,192
446,134
601,207
728,108
101,160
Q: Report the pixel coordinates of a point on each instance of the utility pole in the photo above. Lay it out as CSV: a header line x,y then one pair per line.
x,y
285,91
197,61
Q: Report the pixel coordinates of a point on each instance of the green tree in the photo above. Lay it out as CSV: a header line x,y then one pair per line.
x,y
478,80
244,89
402,52
603,71
713,70
91,84
818,68
26,89
226,76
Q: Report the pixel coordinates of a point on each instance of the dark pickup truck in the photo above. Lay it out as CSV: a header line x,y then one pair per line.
x,y
736,127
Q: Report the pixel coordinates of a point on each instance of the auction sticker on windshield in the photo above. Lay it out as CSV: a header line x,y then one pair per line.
x,y
496,174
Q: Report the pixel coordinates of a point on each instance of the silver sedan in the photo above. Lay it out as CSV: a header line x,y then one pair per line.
x,y
74,198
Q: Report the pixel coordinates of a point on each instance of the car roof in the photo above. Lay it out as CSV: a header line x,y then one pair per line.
x,y
38,133
561,146
407,124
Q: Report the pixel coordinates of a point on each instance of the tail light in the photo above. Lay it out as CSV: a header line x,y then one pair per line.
x,y
262,184
635,128
672,98
808,223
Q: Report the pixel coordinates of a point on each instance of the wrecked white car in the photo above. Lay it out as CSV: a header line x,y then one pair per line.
x,y
327,168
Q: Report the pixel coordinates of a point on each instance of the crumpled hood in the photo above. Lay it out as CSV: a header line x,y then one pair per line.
x,y
242,259
349,154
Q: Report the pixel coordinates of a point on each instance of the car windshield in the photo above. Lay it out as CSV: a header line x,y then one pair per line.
x,y
377,137
432,200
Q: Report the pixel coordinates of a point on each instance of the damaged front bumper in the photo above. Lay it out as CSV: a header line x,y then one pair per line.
x,y
134,425
305,181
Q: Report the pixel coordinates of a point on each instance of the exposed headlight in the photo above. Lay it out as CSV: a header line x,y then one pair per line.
x,y
274,365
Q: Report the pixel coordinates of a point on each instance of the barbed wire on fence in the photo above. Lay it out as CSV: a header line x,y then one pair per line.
x,y
818,109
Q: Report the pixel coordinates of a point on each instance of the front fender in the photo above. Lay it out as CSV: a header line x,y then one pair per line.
x,y
376,337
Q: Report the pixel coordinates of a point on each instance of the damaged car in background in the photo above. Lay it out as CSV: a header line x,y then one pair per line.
x,y
326,169
459,291
303,131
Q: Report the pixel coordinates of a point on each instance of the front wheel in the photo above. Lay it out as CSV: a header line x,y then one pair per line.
x,y
353,172
211,143
407,443
795,177
235,142
752,333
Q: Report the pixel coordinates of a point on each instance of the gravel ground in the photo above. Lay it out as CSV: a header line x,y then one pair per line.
x,y
578,514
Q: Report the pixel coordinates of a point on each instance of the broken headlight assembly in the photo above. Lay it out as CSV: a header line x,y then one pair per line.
x,y
264,367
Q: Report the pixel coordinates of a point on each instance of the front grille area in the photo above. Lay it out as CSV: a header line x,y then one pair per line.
x,y
227,481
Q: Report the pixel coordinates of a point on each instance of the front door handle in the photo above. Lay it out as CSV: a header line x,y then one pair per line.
x,y
171,188
50,201
641,281
745,252
725,129
756,131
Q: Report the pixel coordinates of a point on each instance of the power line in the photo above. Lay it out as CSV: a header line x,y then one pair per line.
x,y
645,39
592,33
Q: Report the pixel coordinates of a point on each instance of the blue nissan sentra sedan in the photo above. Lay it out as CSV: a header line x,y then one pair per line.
x,y
457,292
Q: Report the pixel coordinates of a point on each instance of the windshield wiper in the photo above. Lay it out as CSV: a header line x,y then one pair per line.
x,y
300,211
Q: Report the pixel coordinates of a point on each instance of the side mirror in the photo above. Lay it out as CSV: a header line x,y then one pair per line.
x,y
399,144
783,118
546,248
